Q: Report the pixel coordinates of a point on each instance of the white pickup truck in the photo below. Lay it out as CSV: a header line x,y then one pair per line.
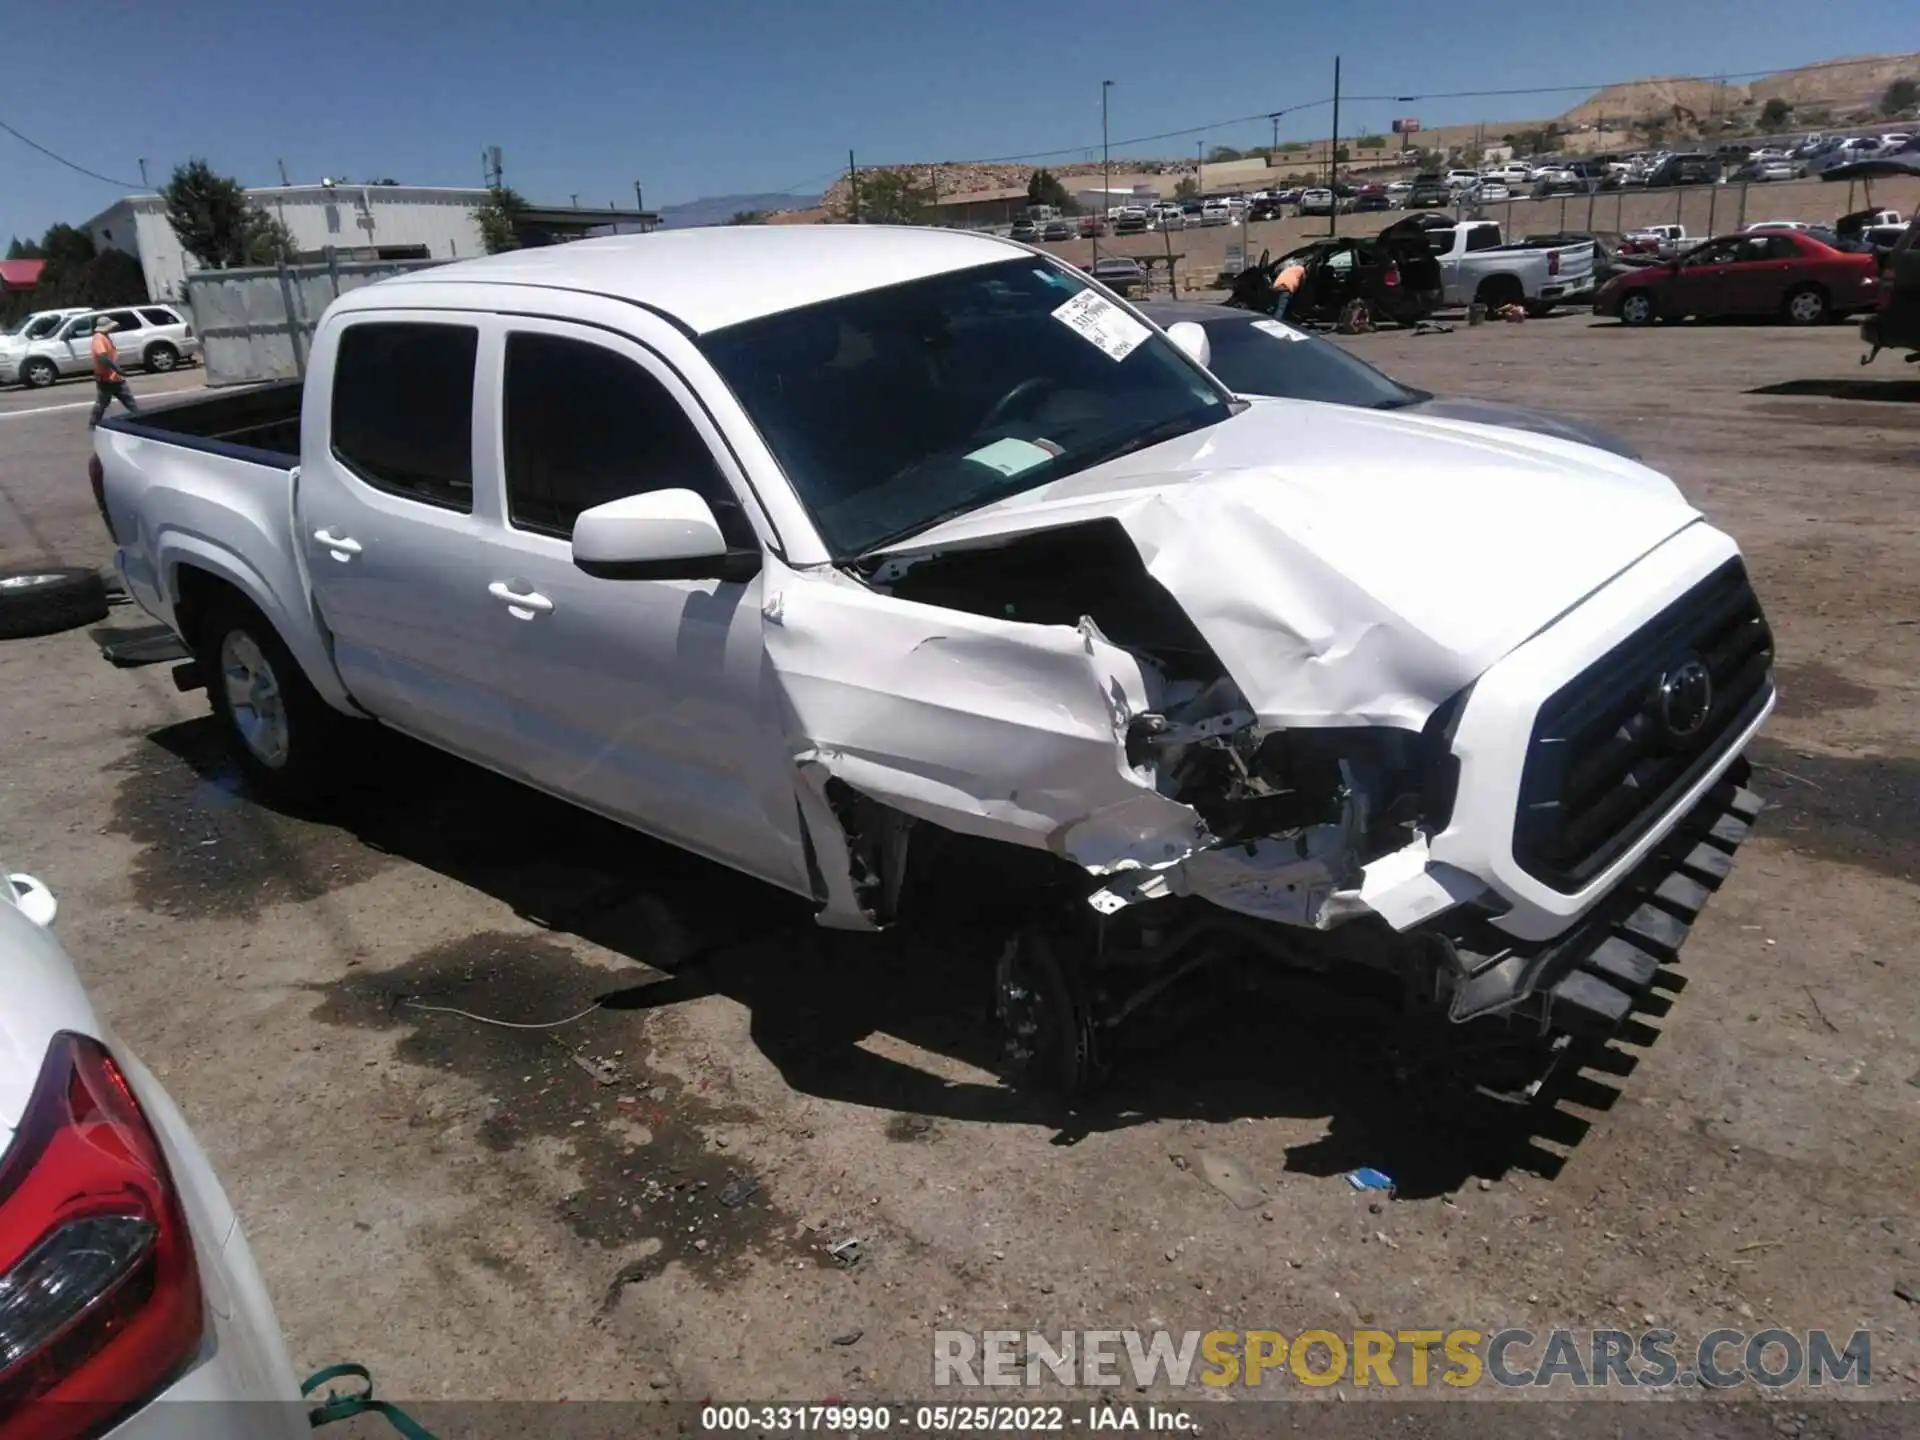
x,y
935,547
1477,265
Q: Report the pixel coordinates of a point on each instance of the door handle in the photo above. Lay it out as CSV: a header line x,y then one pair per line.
x,y
522,606
342,547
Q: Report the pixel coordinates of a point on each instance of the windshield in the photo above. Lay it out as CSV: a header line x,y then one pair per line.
x,y
1265,357
899,408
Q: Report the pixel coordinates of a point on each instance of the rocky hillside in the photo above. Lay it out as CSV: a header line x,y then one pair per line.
x,y
1840,87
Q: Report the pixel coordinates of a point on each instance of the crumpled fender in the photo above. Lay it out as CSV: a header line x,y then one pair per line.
x,y
1014,732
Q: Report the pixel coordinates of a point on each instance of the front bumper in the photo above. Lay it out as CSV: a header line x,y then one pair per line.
x,y
1587,978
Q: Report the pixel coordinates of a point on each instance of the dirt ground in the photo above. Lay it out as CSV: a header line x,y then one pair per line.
x,y
638,1204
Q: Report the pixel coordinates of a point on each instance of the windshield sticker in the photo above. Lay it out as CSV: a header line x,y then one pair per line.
x,y
1056,279
1279,331
1011,456
1102,324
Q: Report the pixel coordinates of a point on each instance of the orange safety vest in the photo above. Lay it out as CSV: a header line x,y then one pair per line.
x,y
1289,279
106,363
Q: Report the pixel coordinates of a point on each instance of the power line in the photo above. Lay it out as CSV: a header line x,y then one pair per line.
x,y
90,174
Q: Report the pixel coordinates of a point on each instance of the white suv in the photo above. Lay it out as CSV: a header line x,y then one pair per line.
x,y
150,337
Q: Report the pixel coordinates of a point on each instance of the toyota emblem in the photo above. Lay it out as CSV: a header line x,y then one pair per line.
x,y
1685,698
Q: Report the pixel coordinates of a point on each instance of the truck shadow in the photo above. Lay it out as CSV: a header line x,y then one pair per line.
x,y
1396,1095
1898,392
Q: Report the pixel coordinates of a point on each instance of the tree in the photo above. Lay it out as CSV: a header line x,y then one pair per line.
x,y
1371,142
1775,113
217,224
24,250
1293,147
1186,188
499,219
1044,188
748,217
893,197
1342,155
1901,96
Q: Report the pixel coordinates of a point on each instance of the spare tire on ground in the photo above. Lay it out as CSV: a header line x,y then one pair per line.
x,y
48,599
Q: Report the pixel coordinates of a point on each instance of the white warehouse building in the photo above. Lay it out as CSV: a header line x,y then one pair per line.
x,y
357,222
384,222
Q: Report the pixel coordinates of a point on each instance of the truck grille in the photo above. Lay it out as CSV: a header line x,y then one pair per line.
x,y
1614,749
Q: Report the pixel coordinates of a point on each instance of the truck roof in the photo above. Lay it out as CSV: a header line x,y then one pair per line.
x,y
707,279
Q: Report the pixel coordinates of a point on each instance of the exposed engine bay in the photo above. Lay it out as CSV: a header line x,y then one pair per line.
x,y
1288,817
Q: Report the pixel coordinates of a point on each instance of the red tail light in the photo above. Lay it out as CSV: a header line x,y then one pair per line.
x,y
1553,262
1392,277
100,1301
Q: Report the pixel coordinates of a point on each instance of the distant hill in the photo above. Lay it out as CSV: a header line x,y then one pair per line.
x,y
1839,87
719,209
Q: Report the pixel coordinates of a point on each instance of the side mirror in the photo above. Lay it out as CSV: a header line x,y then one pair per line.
x,y
1192,340
661,535
35,900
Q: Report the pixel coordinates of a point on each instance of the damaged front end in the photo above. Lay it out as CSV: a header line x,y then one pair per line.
x,y
1048,693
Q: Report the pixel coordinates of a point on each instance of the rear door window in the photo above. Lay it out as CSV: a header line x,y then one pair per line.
x,y
125,320
161,317
403,409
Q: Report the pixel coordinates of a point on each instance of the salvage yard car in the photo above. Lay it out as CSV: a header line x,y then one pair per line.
x,y
130,1303
1478,266
1791,274
933,552
1259,356
1391,272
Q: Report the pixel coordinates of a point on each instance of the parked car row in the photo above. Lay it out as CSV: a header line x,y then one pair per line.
x,y
1803,276
51,343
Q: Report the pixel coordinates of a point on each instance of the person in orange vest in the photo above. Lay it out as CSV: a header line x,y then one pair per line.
x,y
1285,286
108,383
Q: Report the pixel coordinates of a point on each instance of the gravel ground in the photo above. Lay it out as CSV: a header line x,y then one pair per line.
x,y
638,1205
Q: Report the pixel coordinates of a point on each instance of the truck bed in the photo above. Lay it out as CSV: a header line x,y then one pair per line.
x,y
260,424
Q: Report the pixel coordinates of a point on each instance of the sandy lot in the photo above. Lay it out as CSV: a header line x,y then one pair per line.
x,y
637,1205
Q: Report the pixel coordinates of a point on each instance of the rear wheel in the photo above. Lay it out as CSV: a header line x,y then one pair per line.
x,y
278,730
1638,309
1499,290
39,372
1805,306
161,357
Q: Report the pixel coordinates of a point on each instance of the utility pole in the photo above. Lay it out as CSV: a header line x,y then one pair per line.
x,y
1106,172
853,187
1274,149
1333,155
1199,168
145,186
574,199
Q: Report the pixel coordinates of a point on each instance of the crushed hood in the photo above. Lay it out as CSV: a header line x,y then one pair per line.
x,y
1352,567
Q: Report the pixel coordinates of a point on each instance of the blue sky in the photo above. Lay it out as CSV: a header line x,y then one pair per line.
x,y
734,96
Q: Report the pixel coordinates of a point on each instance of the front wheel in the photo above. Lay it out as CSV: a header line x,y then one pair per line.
x,y
39,372
276,727
1048,1034
1638,309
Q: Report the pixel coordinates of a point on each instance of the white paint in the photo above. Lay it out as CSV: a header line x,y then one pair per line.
x,y
1346,567
88,404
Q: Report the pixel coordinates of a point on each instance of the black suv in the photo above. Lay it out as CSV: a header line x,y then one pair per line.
x,y
1695,169
1429,192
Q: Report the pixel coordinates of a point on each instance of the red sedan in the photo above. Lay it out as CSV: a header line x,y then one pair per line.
x,y
1789,273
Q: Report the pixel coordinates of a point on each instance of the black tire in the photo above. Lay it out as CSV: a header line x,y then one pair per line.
x,y
1805,305
1637,307
49,599
1046,1023
1498,290
38,373
303,767
160,357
